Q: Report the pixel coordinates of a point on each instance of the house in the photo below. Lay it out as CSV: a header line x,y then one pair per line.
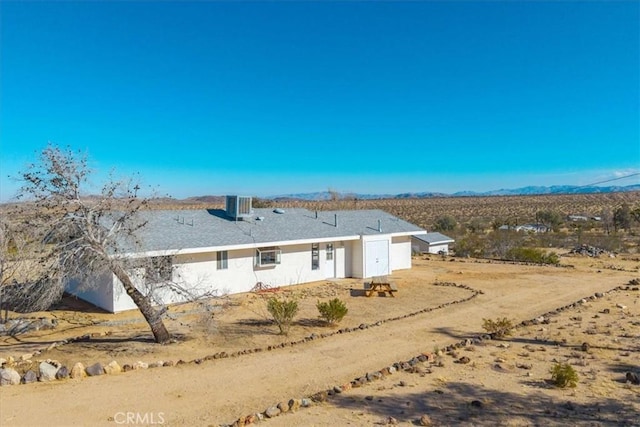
x,y
231,250
432,243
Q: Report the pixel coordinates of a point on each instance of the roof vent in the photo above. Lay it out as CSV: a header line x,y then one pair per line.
x,y
260,218
278,211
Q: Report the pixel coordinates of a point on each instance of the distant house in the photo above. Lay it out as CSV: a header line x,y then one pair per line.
x,y
532,228
529,228
231,250
577,218
432,243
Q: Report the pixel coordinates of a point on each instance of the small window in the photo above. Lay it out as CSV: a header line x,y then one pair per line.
x,y
222,260
329,251
315,256
158,270
268,256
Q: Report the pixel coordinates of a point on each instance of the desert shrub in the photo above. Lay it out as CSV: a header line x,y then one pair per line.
x,y
445,223
563,375
282,311
498,327
532,255
332,311
470,246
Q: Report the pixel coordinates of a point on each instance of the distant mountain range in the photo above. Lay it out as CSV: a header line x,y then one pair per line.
x,y
523,191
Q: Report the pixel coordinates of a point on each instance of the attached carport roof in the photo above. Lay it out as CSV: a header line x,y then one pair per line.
x,y
434,238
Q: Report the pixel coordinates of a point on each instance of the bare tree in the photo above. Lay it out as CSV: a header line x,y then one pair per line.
x,y
86,235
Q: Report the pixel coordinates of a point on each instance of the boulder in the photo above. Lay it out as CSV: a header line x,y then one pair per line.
x,y
9,376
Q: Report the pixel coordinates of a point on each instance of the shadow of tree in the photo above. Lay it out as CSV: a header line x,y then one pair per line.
x,y
459,403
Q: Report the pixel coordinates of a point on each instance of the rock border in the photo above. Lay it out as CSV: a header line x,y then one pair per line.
x,y
80,371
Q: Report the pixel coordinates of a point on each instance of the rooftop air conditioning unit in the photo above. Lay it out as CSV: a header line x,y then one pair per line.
x,y
239,207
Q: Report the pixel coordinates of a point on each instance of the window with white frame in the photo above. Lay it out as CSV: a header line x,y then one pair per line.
x,y
268,256
329,251
222,260
315,256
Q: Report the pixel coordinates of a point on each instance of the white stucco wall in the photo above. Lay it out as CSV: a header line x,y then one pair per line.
x,y
99,292
357,254
400,253
199,271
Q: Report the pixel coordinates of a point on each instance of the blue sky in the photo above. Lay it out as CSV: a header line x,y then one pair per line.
x,y
266,98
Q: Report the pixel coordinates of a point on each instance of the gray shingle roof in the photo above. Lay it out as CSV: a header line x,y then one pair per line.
x,y
434,237
179,230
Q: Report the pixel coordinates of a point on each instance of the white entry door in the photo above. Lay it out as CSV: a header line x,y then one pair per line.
x,y
377,258
330,263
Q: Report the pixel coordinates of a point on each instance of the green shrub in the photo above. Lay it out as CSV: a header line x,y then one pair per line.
x,y
499,327
532,255
332,311
283,311
563,375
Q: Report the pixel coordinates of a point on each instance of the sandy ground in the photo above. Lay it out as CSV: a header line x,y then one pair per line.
x,y
505,382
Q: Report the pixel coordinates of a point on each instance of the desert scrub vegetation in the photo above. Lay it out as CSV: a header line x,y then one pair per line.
x,y
499,327
282,311
332,311
563,375
534,255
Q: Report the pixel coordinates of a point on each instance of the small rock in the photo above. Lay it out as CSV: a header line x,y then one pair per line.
x,y
26,357
585,346
464,360
140,365
305,403
477,404
62,373
402,384
29,377
95,369
272,411
47,371
294,404
78,371
9,376
633,378
425,421
392,421
112,368
284,407
621,306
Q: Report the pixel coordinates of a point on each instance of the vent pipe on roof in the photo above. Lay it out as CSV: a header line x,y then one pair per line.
x,y
316,214
335,219
379,226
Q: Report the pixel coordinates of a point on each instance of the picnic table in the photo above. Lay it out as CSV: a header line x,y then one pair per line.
x,y
380,284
